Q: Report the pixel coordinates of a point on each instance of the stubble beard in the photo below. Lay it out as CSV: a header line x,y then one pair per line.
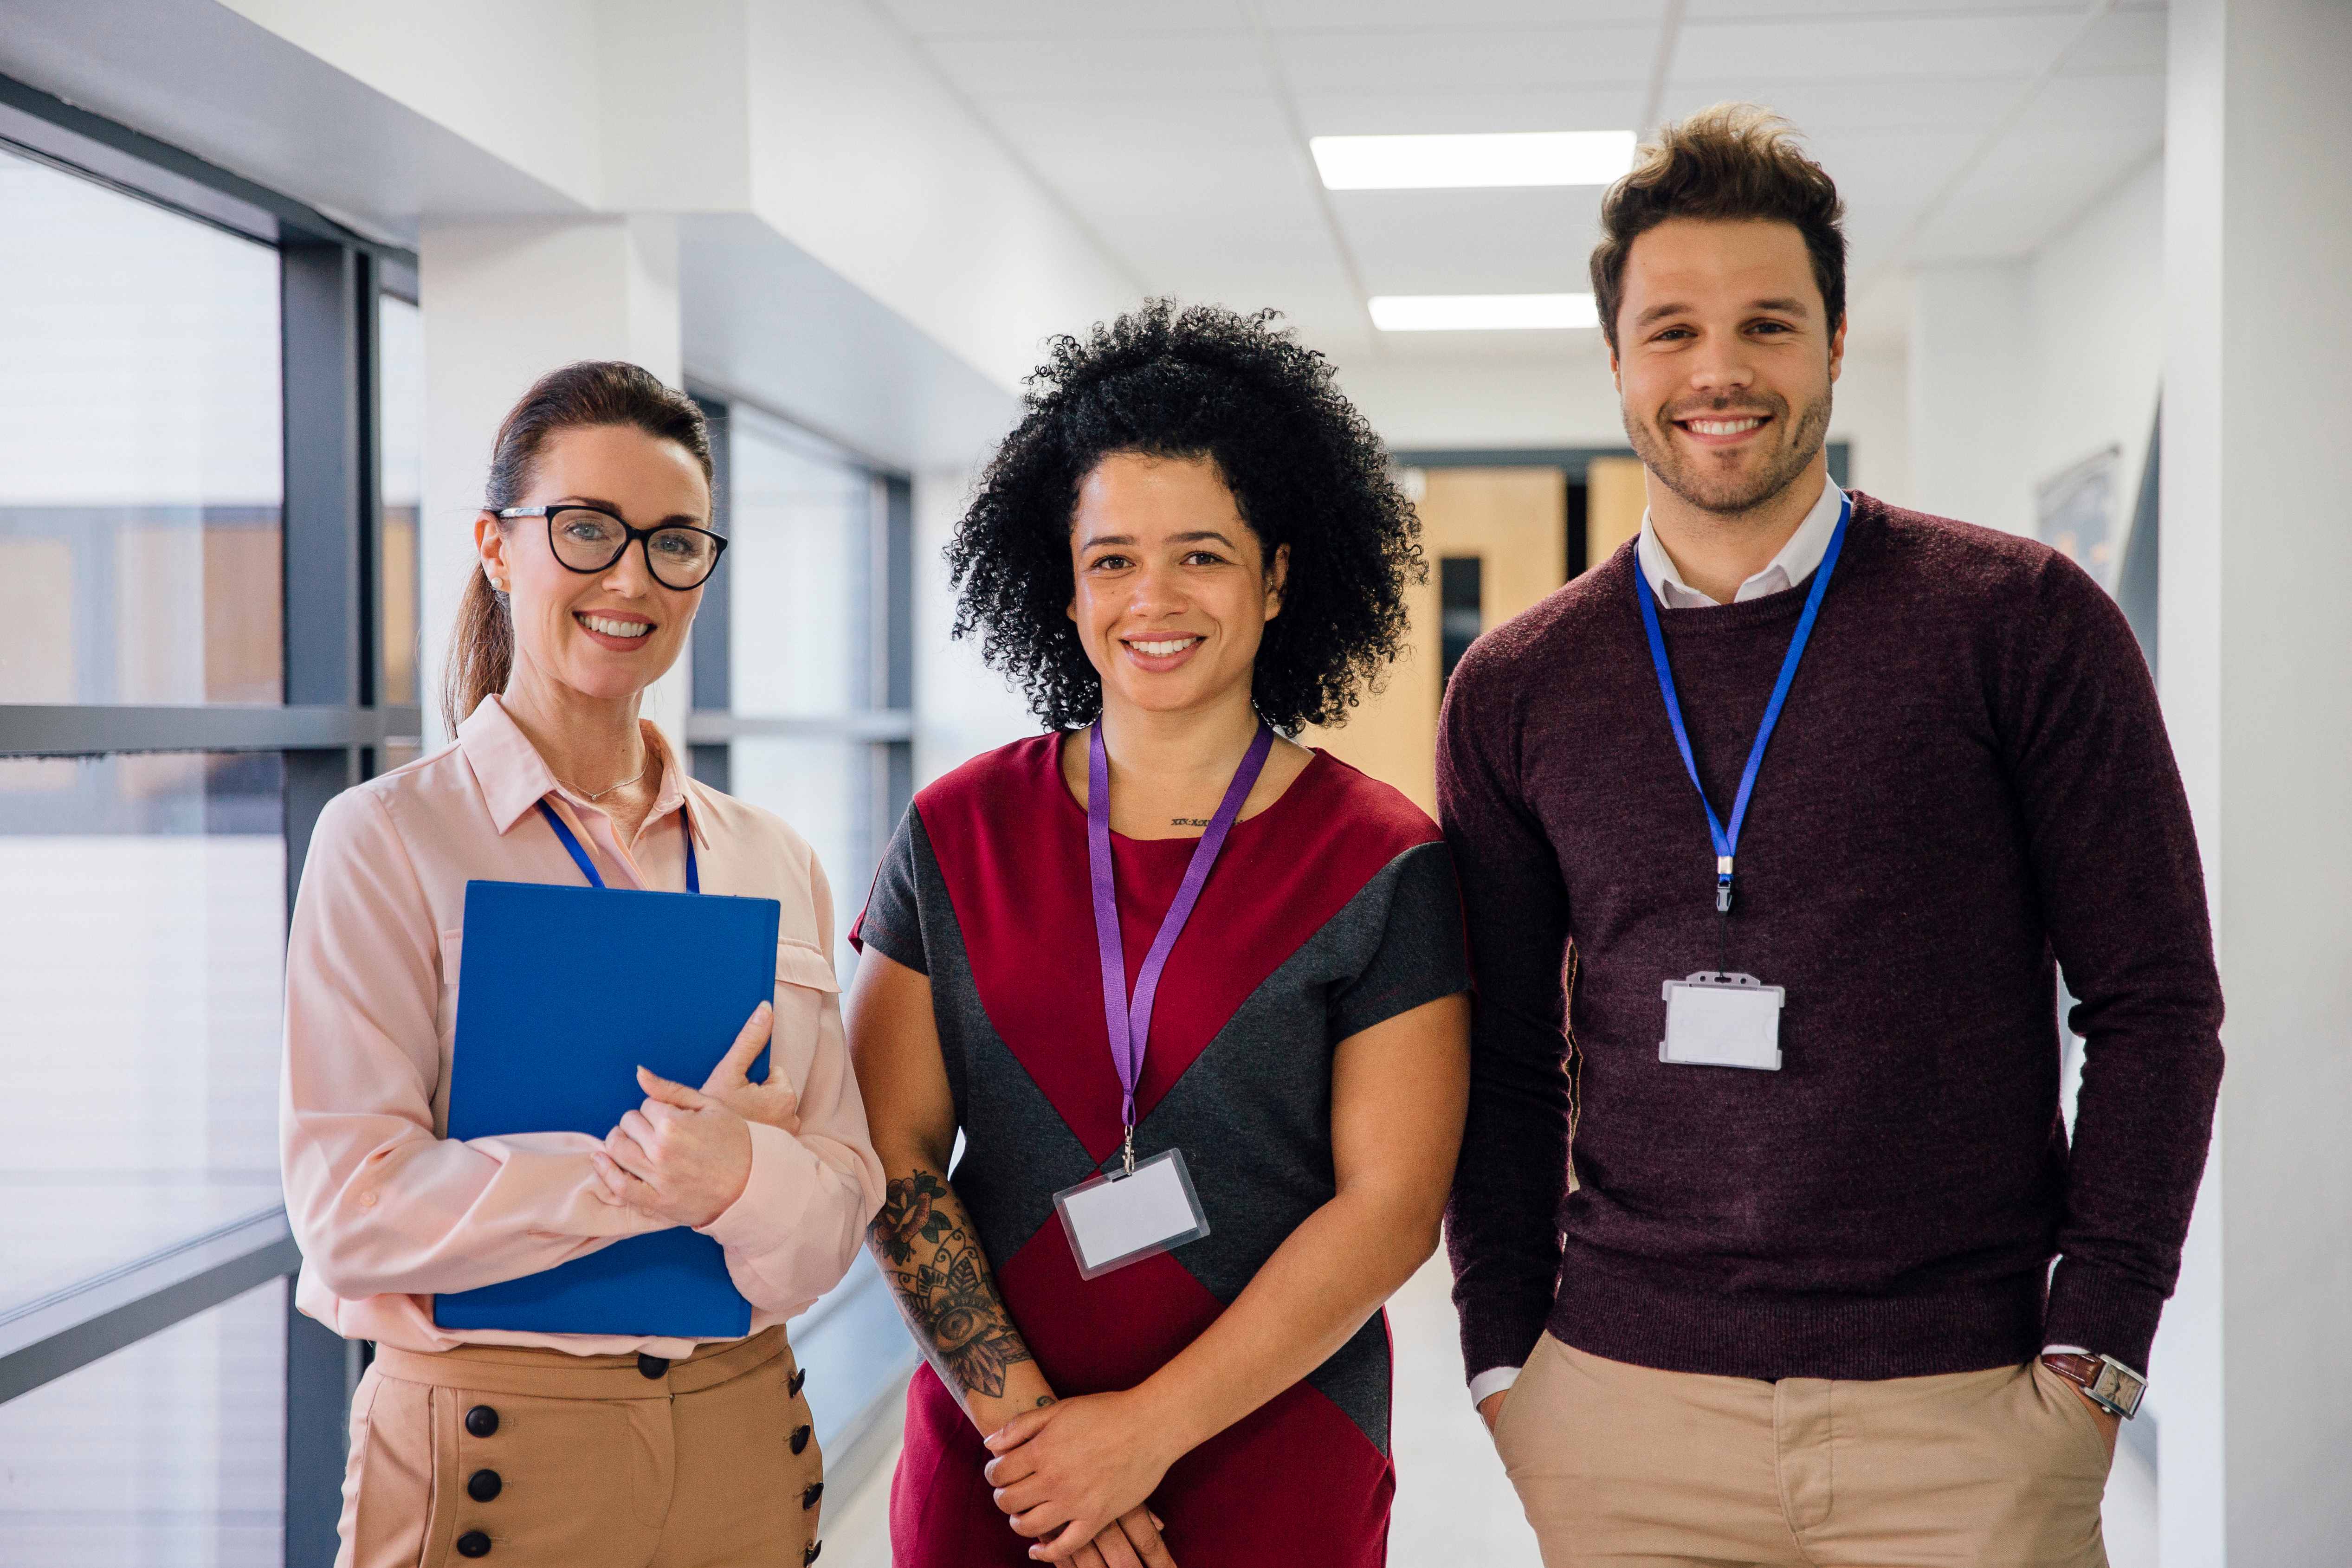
x,y
1733,494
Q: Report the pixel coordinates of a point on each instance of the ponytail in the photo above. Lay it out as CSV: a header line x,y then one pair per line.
x,y
590,392
481,651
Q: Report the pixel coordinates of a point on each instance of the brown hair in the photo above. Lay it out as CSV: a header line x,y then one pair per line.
x,y
1733,161
590,392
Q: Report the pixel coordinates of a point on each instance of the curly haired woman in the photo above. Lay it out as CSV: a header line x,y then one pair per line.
x,y
1161,926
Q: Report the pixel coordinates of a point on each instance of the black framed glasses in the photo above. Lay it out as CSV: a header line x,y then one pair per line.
x,y
590,539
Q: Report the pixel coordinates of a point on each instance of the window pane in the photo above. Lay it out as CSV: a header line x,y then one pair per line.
x,y
141,947
400,333
825,788
801,559
170,1450
140,475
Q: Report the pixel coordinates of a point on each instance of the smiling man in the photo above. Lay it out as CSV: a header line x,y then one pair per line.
x,y
1774,829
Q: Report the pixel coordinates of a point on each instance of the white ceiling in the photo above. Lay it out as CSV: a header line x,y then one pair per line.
x,y
1956,129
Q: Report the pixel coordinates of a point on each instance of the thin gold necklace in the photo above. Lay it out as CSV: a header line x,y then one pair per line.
x,y
623,784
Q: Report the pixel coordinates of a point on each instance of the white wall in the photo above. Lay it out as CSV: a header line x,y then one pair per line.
x,y
2257,1434
519,79
2098,332
2021,368
1972,393
818,117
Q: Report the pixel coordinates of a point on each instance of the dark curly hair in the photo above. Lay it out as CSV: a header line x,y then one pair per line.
x,y
1305,468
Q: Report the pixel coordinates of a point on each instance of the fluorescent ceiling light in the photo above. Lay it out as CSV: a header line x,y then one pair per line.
x,y
1430,162
1481,312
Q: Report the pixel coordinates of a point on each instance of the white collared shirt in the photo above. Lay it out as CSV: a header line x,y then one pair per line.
x,y
1795,562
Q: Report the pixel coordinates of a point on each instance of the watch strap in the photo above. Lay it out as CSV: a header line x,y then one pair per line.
x,y
2107,1382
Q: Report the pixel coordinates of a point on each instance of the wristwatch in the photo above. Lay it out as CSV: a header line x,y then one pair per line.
x,y
2109,1384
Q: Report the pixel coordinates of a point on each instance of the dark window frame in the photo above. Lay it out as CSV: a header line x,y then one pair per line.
x,y
331,733
884,717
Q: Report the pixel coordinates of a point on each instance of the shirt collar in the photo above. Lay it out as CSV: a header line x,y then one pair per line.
x,y
514,777
1795,562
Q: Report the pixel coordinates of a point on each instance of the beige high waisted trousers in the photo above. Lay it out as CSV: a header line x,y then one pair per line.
x,y
1628,1466
513,1454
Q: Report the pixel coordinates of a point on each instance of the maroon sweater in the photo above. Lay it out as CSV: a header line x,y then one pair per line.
x,y
1969,787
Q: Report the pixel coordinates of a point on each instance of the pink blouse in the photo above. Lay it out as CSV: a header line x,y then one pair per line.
x,y
387,1211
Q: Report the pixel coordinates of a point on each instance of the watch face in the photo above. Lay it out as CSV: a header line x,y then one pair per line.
x,y
2118,1386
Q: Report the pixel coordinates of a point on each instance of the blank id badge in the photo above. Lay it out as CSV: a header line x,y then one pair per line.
x,y
1123,1218
1718,1019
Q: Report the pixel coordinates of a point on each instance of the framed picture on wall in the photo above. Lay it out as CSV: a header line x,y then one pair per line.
x,y
2078,513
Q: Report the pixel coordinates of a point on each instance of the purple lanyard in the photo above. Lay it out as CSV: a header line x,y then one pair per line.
x,y
1130,1026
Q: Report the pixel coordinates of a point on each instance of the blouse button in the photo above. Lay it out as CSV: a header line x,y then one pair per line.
x,y
367,1200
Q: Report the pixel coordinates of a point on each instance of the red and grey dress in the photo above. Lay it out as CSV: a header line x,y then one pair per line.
x,y
1331,911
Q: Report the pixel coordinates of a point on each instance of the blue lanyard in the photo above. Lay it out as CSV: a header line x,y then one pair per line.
x,y
693,873
1727,840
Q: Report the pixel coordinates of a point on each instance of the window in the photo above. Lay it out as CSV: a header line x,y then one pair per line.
x,y
803,657
141,953
140,469
168,1451
214,633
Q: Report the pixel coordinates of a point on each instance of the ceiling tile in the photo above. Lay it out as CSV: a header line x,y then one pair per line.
x,y
1741,10
1430,113
1435,60
2079,137
1356,15
1861,47
1160,127
1471,242
2120,42
1001,18
1822,104
1178,66
1161,153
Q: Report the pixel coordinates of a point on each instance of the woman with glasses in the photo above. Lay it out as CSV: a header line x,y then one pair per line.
x,y
595,543
1191,992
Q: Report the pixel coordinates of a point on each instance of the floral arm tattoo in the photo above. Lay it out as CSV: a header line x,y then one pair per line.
x,y
925,1244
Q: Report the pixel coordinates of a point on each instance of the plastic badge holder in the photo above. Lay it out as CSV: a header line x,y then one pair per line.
x,y
1113,1219
1716,1019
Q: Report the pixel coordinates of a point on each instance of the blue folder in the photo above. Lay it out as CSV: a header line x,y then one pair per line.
x,y
563,992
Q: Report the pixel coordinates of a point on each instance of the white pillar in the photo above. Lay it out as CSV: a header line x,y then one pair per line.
x,y
503,304
1971,393
2256,1363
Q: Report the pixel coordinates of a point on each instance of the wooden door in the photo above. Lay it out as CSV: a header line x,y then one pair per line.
x,y
1498,538
1616,498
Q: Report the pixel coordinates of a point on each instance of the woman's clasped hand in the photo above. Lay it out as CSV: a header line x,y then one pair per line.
x,y
685,1155
1075,1475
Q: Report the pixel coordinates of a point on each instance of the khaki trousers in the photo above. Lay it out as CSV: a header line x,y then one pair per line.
x,y
528,1456
1624,1465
